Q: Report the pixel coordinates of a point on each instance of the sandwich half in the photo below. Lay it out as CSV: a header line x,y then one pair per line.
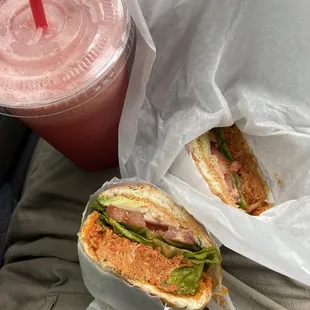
x,y
226,162
138,233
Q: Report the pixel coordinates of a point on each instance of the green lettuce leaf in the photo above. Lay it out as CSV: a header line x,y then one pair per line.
x,y
206,255
237,183
181,245
149,235
209,255
121,230
186,278
222,145
97,206
102,222
223,148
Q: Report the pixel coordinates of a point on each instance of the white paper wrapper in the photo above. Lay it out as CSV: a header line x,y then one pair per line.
x,y
219,62
111,292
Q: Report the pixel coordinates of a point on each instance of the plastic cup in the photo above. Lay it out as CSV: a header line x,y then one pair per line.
x,y
69,82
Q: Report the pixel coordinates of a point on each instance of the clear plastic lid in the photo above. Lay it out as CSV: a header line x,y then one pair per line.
x,y
84,40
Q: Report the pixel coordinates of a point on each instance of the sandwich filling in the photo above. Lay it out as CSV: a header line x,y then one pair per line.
x,y
170,258
238,169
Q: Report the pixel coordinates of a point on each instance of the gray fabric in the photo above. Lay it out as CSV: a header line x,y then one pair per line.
x,y
253,286
41,264
18,174
12,133
6,209
11,191
42,270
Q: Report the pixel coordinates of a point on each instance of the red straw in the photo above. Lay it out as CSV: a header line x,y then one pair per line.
x,y
38,13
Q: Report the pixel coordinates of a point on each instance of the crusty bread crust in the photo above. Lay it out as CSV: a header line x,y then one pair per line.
x,y
162,207
210,169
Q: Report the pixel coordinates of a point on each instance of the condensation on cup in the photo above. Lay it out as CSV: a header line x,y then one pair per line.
x,y
69,82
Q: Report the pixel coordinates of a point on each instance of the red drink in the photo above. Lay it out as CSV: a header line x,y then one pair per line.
x,y
68,83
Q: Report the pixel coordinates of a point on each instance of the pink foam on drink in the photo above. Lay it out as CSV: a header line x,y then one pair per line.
x,y
68,83
43,65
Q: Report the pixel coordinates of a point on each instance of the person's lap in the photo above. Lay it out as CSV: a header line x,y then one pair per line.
x,y
41,264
